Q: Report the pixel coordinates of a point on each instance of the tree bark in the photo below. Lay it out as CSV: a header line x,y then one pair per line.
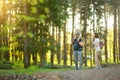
x,y
115,37
85,29
65,47
73,22
105,18
119,31
26,56
59,44
52,51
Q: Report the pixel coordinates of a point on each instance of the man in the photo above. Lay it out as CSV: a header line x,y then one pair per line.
x,y
77,47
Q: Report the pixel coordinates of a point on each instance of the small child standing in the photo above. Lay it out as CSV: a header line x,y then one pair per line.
x,y
96,43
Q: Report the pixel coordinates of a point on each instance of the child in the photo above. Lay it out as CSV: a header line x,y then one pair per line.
x,y
97,50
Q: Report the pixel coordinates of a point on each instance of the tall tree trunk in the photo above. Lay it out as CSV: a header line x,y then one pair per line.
x,y
59,44
119,31
105,18
5,32
91,62
34,58
26,57
85,30
52,51
85,36
90,44
115,33
65,47
64,36
42,44
117,43
73,22
93,12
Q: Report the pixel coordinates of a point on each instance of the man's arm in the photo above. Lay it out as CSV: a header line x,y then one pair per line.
x,y
73,41
80,43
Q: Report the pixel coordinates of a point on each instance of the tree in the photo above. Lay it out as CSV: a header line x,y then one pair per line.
x,y
115,33
73,5
64,35
105,18
119,30
28,29
26,60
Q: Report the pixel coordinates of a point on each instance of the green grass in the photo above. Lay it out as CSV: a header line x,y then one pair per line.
x,y
35,69
31,70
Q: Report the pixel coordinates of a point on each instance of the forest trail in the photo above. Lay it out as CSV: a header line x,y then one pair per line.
x,y
111,72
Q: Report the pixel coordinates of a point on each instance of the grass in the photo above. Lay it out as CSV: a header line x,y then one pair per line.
x,y
31,70
36,69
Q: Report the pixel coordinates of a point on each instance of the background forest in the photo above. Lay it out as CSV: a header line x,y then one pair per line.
x,y
39,32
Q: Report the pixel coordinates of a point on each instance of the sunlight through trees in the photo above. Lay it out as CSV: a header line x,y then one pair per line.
x,y
40,32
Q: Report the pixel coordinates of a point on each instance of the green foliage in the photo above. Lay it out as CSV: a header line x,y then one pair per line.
x,y
42,18
33,2
4,48
114,3
28,18
37,17
48,66
41,1
18,64
18,35
32,70
33,9
30,35
4,64
46,10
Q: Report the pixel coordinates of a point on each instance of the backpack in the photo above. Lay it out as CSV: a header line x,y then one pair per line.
x,y
101,44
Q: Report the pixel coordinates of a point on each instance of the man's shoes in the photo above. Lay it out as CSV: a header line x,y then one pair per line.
x,y
98,67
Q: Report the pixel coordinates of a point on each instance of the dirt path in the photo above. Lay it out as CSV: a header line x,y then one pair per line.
x,y
108,73
111,72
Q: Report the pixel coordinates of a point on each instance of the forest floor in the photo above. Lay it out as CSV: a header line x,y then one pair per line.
x,y
110,72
